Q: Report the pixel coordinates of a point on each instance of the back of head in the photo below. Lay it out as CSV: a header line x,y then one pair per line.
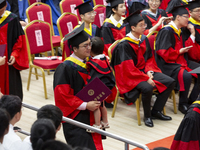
x,y
97,45
12,104
4,121
51,112
41,131
55,145
161,148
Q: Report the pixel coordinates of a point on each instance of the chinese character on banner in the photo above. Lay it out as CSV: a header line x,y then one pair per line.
x,y
69,26
38,36
40,15
73,9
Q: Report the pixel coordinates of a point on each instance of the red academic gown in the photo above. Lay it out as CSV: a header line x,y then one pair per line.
x,y
11,34
69,78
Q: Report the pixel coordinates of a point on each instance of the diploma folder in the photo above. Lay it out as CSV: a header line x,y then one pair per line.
x,y
96,90
2,49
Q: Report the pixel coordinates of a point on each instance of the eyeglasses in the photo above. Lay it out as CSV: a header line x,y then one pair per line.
x,y
154,1
142,25
196,11
186,17
87,46
93,13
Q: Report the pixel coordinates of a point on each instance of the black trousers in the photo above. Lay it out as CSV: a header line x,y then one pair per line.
x,y
147,90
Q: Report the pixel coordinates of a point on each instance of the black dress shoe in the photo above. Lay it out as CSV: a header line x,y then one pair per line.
x,y
160,116
108,105
183,108
148,122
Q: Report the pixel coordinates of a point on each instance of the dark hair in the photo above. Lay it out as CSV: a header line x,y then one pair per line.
x,y
50,112
81,148
115,7
97,45
136,23
4,121
41,131
55,145
161,148
11,103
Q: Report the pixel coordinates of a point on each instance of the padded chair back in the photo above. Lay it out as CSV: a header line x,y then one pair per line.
x,y
69,5
66,23
152,37
40,11
100,2
100,15
111,48
38,37
65,49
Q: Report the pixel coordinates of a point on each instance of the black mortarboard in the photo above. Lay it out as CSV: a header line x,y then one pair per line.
x,y
2,3
77,36
84,7
134,18
179,10
197,71
193,4
114,3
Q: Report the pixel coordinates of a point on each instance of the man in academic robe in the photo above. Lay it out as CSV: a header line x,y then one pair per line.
x,y
136,71
171,56
194,10
11,34
69,78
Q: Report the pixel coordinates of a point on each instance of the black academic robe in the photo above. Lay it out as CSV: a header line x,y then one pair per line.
x,y
168,43
111,33
69,78
187,136
131,61
12,34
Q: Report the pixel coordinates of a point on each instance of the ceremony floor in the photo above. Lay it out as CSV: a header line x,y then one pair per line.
x,y
123,124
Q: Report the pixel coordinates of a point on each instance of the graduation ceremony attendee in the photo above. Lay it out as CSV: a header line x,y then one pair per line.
x,y
4,125
113,27
51,112
136,71
87,15
12,35
12,104
171,56
69,78
194,10
154,17
55,145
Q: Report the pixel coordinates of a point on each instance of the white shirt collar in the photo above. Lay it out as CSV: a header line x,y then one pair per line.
x,y
99,56
133,37
154,14
76,57
173,24
115,22
3,13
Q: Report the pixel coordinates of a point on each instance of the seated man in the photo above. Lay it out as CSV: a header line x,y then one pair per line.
x,y
13,105
69,78
172,59
136,71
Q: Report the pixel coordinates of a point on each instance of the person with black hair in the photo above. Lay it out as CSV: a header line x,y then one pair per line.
x,y
161,148
41,131
98,66
137,72
172,58
12,104
51,112
55,145
4,125
113,27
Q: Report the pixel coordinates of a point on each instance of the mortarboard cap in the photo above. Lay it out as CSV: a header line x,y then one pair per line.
x,y
193,4
197,71
179,10
2,3
77,36
134,18
114,3
84,7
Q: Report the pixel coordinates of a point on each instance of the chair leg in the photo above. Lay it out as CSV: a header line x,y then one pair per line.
x,y
44,82
29,77
164,110
174,101
137,103
115,104
36,74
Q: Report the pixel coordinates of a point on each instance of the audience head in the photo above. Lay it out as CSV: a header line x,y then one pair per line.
x,y
3,6
194,9
41,131
161,148
51,112
55,145
117,7
12,104
154,4
97,46
4,122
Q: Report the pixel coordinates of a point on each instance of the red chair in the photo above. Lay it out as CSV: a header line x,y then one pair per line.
x,y
66,23
100,15
41,11
38,39
99,2
69,5
65,49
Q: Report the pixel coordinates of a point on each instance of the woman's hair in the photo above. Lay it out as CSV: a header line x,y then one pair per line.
x,y
4,121
97,45
41,131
